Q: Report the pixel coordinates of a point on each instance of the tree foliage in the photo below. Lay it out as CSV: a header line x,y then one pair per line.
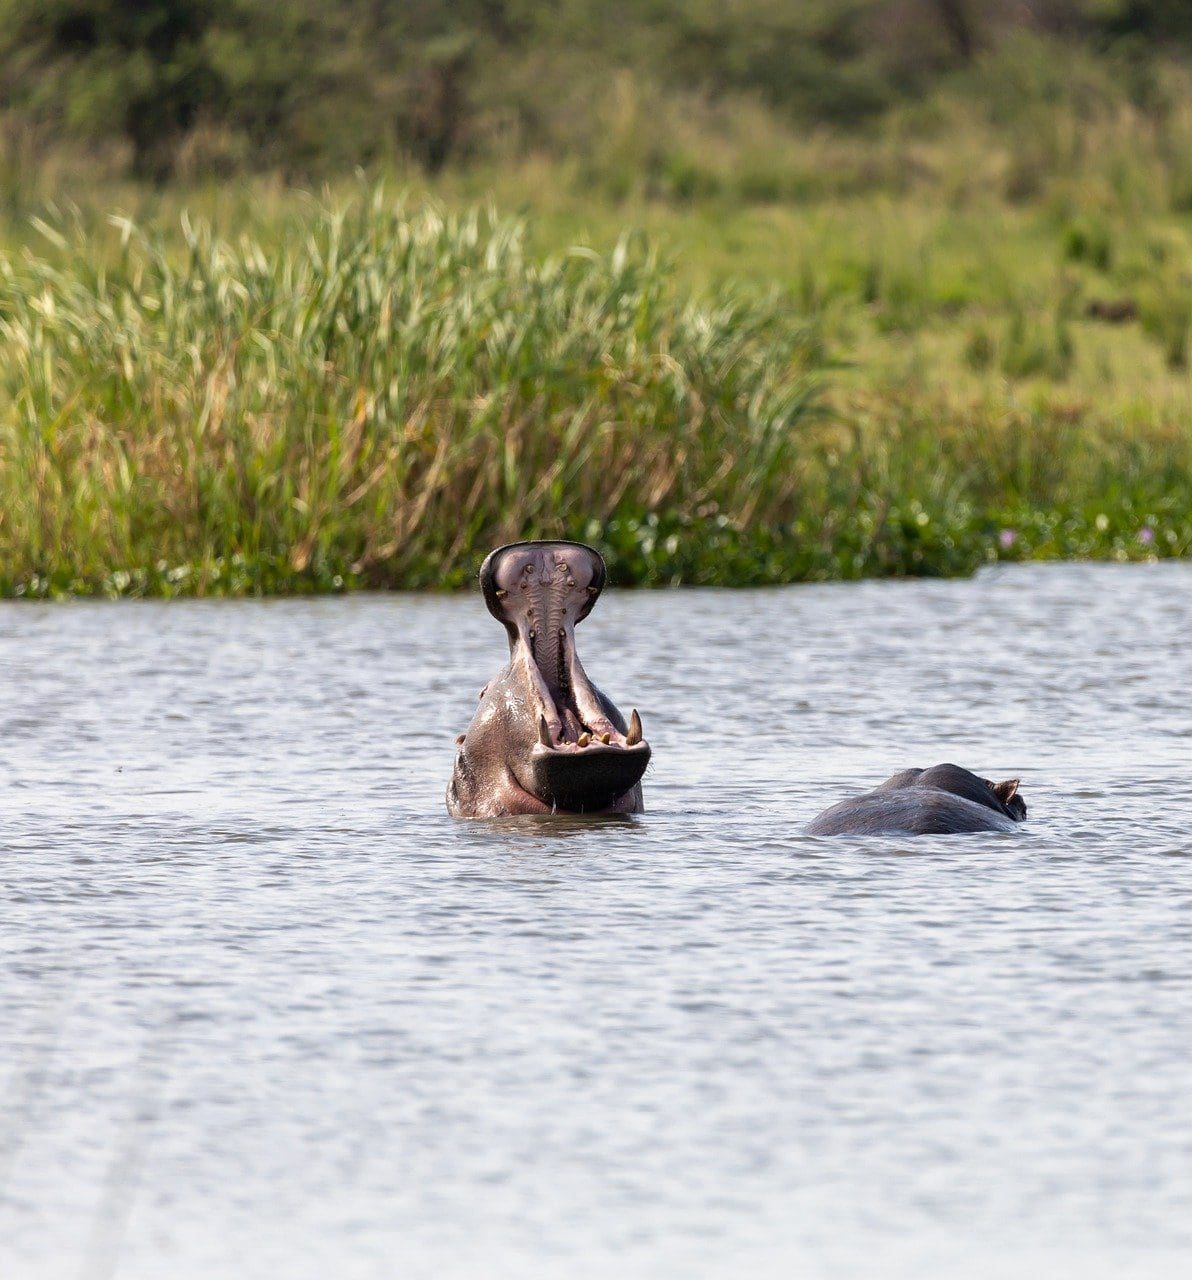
x,y
304,85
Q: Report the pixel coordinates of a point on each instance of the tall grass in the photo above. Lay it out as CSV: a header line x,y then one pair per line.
x,y
376,401
376,393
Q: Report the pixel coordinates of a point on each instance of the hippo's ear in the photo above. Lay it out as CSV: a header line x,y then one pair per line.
x,y
571,571
1005,791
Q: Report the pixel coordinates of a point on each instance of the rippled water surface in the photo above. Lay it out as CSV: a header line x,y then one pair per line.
x,y
265,1010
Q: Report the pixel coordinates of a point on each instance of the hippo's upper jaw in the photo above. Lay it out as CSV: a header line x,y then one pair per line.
x,y
544,737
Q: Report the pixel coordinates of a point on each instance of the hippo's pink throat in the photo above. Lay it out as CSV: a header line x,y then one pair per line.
x,y
545,646
541,592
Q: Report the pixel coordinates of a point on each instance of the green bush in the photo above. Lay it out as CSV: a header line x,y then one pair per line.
x,y
980,348
1088,240
1035,347
1166,315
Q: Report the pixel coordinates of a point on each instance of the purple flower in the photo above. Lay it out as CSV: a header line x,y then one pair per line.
x,y
1007,538
1146,535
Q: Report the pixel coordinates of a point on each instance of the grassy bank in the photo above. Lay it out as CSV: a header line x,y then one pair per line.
x,y
374,393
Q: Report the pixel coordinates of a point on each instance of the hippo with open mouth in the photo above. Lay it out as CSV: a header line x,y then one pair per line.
x,y
943,800
544,739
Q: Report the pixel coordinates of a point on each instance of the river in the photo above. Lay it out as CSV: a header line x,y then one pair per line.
x,y
265,1010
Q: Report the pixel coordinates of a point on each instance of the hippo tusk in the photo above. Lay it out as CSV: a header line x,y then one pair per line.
x,y
544,732
634,736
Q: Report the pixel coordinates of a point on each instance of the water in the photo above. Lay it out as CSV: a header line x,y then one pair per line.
x,y
266,1011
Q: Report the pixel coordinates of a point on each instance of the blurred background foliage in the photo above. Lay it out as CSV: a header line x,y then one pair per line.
x,y
187,88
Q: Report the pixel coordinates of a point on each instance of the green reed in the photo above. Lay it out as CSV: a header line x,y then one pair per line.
x,y
375,401
378,393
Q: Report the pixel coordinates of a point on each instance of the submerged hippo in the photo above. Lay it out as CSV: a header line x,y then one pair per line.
x,y
944,800
544,738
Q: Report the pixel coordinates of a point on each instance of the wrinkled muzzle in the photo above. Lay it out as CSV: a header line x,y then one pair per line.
x,y
584,756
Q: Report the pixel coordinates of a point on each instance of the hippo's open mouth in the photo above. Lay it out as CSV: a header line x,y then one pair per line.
x,y
585,756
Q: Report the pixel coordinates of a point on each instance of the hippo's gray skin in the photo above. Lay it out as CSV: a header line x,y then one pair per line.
x,y
544,739
944,800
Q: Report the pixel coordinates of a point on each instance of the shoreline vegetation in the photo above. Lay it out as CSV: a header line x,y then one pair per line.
x,y
376,397
377,403
723,341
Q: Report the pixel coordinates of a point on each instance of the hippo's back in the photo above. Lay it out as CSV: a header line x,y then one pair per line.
x,y
910,811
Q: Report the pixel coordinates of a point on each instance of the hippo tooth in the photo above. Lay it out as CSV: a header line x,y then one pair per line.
x,y
544,732
606,738
634,736
584,739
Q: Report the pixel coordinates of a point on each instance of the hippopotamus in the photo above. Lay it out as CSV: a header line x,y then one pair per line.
x,y
942,800
544,739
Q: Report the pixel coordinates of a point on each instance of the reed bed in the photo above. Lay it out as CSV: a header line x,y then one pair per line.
x,y
374,402
382,392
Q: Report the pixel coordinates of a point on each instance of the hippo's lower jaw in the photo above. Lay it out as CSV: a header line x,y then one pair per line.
x,y
587,779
